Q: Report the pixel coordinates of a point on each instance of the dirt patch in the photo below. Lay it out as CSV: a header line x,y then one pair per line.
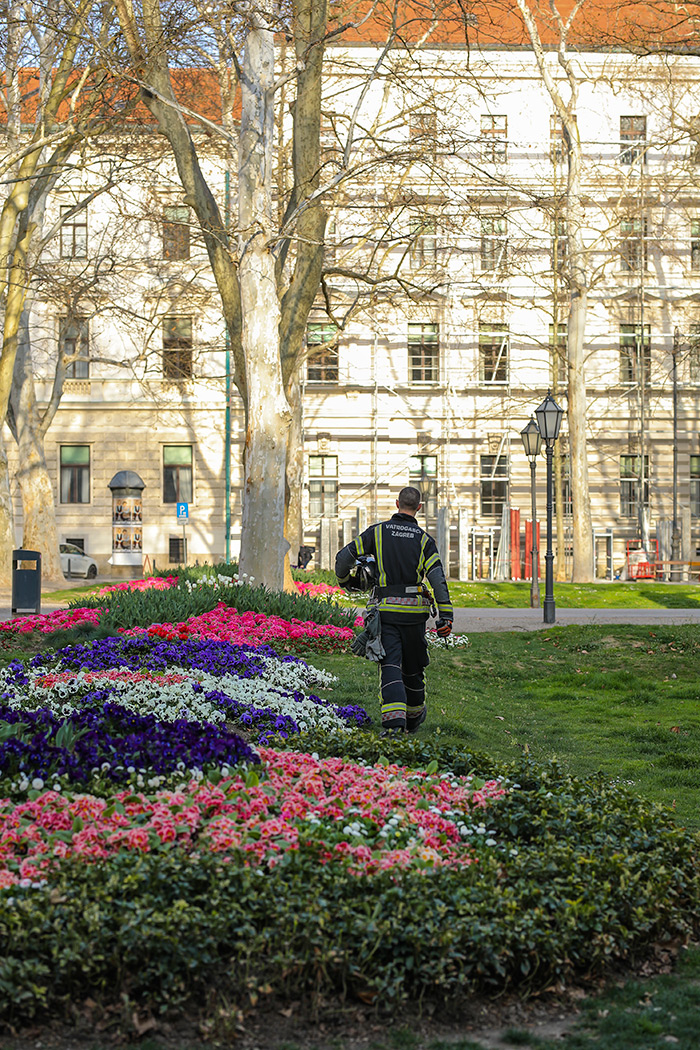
x,y
276,1026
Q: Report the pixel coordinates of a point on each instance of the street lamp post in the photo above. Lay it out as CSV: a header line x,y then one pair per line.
x,y
549,416
532,441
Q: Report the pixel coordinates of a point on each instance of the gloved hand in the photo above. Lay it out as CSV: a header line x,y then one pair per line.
x,y
443,628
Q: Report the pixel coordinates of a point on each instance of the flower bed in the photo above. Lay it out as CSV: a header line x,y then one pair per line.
x,y
49,623
157,583
339,876
320,590
112,742
366,819
253,689
226,624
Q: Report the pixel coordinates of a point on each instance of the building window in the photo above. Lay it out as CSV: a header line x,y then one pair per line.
x,y
630,482
176,232
422,124
177,550
494,138
557,142
423,475
494,485
631,352
633,248
75,473
559,245
322,363
177,473
695,245
330,242
74,346
493,242
323,486
76,541
73,234
695,486
423,353
694,353
566,488
633,136
694,132
559,353
177,347
423,250
493,352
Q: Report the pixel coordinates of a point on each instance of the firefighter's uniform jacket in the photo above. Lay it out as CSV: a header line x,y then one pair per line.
x,y
404,554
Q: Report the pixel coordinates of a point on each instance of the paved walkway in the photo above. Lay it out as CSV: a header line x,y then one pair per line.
x,y
47,606
467,620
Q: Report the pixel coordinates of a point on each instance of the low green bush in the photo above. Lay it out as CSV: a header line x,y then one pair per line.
x,y
573,875
192,597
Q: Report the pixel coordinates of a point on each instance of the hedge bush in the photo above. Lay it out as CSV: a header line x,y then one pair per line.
x,y
580,874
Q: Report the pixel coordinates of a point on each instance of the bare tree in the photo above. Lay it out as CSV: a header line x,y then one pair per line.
x,y
269,275
54,87
578,271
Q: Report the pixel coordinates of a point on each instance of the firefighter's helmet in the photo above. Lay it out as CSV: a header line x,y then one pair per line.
x,y
365,576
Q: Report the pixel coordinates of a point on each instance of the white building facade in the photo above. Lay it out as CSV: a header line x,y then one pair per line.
x,y
428,377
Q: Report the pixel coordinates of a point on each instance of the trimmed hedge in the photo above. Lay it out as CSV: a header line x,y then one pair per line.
x,y
579,874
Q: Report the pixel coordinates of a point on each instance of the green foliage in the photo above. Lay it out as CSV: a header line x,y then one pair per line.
x,y
579,875
192,596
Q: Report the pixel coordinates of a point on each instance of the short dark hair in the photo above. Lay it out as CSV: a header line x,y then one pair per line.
x,y
410,498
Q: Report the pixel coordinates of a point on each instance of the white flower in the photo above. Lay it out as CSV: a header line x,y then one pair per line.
x,y
37,783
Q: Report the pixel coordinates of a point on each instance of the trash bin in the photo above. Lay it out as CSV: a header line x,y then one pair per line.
x,y
26,582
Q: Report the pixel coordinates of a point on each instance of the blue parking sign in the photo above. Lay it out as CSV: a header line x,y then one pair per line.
x,y
183,511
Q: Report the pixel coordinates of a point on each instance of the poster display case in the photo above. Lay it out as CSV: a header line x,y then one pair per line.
x,y
127,518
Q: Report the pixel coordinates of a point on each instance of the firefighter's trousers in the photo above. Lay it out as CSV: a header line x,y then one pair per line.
x,y
403,674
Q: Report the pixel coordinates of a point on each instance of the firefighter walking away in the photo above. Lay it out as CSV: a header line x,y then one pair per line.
x,y
403,555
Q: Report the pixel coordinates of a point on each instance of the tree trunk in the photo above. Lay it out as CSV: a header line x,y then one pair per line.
x,y
263,545
295,469
38,504
560,562
579,281
7,530
578,446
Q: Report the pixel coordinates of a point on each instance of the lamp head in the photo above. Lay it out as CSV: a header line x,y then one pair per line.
x,y
549,416
532,439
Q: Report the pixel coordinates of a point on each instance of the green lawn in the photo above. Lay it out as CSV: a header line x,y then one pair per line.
x,y
70,594
625,700
643,594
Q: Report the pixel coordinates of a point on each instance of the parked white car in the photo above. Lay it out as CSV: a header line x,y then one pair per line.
x,y
75,563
